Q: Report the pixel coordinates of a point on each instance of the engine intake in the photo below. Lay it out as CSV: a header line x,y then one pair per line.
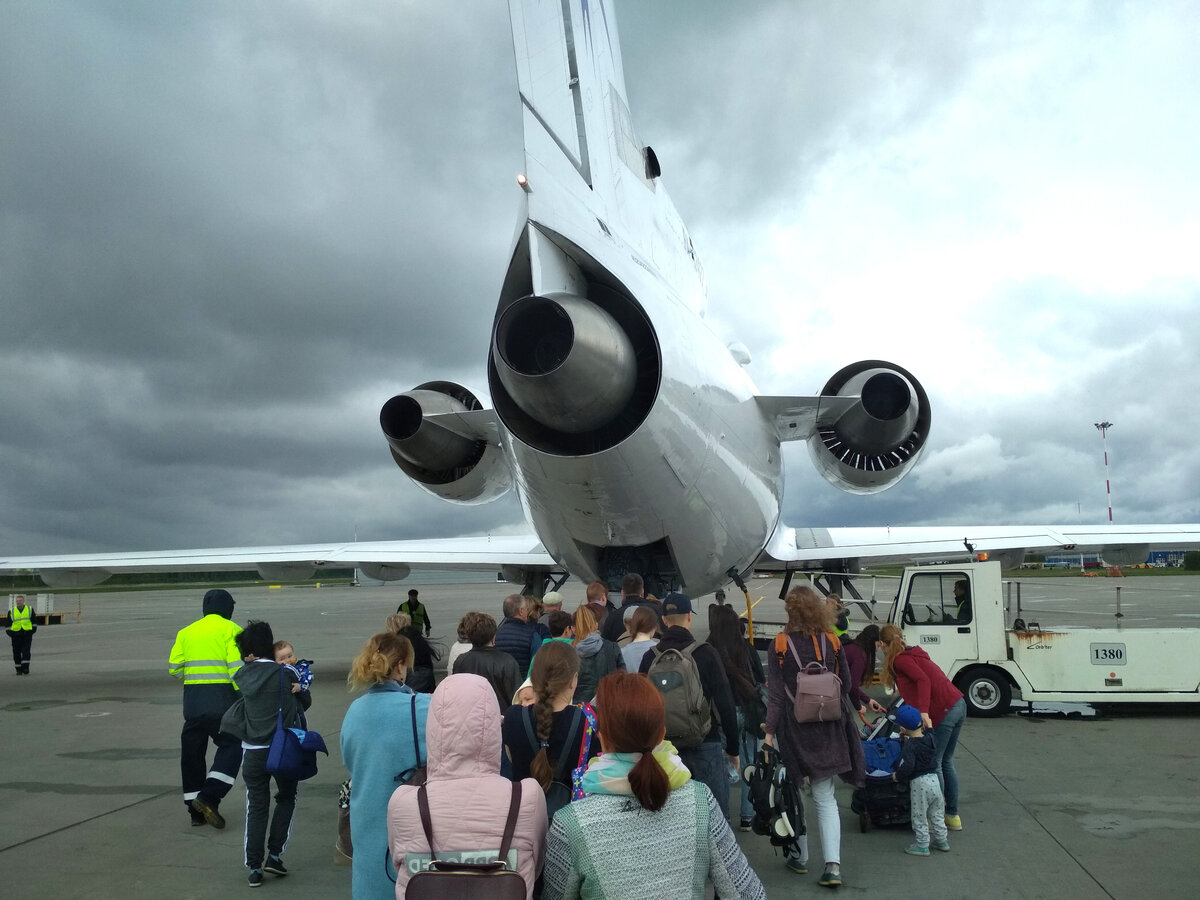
x,y
869,445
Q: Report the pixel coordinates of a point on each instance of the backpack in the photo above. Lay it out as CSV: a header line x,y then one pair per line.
x,y
689,714
451,880
558,794
818,696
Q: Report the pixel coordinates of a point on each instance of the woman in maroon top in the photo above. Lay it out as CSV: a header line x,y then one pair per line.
x,y
923,685
860,657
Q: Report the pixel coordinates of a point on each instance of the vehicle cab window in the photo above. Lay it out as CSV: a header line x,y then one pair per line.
x,y
942,598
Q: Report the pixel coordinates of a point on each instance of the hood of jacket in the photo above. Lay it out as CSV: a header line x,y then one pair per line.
x,y
218,602
590,645
463,728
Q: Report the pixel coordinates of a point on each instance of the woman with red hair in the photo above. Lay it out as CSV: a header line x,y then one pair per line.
x,y
639,794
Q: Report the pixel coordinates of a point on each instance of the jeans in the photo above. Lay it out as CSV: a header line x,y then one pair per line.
x,y
829,819
706,762
749,750
946,735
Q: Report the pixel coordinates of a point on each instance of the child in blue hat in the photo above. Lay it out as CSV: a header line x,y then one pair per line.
x,y
917,766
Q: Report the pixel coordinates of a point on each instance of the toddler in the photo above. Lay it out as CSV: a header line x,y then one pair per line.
x,y
918,758
285,655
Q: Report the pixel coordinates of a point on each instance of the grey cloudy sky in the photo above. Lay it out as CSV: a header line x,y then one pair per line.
x,y
229,231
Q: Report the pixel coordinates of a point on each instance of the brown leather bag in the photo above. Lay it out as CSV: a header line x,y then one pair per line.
x,y
448,880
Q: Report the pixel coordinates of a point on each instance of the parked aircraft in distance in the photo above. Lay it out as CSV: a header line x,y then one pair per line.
x,y
631,433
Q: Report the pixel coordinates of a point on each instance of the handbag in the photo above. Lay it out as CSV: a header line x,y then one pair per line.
x,y
419,773
818,696
452,880
293,751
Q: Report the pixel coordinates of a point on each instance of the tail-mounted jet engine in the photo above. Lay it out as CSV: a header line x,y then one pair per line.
x,y
571,375
868,445
440,454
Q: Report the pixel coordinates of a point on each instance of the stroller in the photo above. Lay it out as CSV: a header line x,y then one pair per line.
x,y
778,812
882,802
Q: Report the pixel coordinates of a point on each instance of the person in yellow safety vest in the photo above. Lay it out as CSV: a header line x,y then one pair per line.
x,y
839,611
204,658
415,610
21,633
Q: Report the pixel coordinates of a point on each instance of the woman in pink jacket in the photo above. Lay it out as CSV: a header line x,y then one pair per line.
x,y
923,685
468,797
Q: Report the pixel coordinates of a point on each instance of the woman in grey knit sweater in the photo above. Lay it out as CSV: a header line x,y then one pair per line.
x,y
639,794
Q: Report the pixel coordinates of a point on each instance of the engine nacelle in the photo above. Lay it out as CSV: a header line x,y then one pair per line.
x,y
867,446
571,375
439,459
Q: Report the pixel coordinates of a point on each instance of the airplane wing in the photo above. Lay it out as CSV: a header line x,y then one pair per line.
x,y
385,560
839,549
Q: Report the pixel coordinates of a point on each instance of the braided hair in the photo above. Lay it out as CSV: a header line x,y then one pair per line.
x,y
554,666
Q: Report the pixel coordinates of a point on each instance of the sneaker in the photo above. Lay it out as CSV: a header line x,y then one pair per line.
x,y
209,811
256,878
954,823
831,877
275,866
918,850
797,866
944,846
745,824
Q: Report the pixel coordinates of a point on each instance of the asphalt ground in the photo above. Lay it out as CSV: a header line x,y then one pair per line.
x,y
1103,804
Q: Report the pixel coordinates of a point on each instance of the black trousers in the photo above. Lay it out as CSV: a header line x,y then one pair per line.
x,y
22,644
213,783
258,808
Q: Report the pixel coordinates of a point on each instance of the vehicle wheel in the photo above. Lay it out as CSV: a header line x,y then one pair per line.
x,y
986,691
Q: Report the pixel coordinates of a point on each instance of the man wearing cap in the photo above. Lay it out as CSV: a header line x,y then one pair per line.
x,y
415,610
204,657
552,602
705,761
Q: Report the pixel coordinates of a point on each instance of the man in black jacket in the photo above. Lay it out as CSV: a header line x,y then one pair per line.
x,y
498,667
705,761
633,594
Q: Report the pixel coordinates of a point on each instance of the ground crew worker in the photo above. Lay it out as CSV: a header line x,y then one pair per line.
x,y
841,615
21,633
415,610
204,658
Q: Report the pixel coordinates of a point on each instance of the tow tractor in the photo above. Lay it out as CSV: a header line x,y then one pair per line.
x,y
992,663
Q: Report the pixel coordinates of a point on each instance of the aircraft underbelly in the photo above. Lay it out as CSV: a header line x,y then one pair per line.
x,y
688,466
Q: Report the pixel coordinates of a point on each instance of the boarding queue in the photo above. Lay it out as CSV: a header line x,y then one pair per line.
x,y
592,756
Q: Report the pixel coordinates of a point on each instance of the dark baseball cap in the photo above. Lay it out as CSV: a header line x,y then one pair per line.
x,y
676,604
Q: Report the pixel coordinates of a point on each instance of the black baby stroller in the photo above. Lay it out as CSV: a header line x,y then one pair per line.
x,y
882,802
778,812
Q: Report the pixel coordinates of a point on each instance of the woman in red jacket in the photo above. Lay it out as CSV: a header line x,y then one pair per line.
x,y
923,685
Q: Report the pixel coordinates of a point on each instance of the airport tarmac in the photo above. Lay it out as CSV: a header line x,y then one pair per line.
x,y
1060,806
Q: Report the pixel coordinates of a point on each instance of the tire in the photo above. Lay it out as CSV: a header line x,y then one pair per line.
x,y
986,691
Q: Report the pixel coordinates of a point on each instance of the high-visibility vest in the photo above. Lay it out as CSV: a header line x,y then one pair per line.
x,y
22,619
205,652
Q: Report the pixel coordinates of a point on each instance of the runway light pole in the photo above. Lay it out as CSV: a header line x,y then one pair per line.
x,y
1103,427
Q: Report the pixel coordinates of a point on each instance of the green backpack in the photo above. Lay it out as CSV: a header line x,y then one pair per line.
x,y
689,714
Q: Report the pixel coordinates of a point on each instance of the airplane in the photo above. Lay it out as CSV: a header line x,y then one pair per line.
x,y
631,433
